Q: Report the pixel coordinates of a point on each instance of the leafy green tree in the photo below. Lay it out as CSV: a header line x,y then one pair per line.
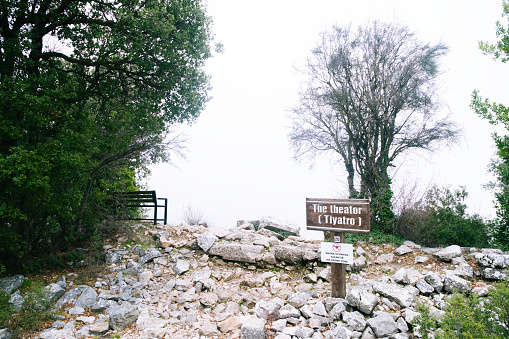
x,y
88,92
498,114
370,97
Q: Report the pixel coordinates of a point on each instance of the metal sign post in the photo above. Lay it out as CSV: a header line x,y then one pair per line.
x,y
338,216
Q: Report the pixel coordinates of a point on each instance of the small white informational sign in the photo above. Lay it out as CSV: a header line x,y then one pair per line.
x,y
337,253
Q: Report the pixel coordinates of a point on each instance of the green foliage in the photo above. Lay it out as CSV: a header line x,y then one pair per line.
x,y
256,224
468,316
78,123
35,310
427,324
498,114
6,309
375,237
381,209
441,220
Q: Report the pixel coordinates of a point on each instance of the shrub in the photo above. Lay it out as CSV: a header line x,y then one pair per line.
x,y
440,219
375,237
468,316
6,309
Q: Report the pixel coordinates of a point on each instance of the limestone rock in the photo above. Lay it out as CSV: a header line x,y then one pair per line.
x,y
424,287
453,283
289,254
271,222
87,298
122,316
149,255
362,299
435,281
54,291
206,240
494,273
230,324
11,283
402,296
402,250
237,252
384,258
181,266
494,260
264,309
99,328
208,329
5,334
382,324
448,253
401,276
355,320
298,299
253,328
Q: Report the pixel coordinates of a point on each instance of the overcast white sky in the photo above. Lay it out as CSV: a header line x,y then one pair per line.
x,y
239,164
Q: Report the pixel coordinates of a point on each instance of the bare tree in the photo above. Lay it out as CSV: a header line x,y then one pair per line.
x,y
371,96
316,131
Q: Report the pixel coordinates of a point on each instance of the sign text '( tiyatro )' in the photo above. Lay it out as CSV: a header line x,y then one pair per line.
x,y
328,215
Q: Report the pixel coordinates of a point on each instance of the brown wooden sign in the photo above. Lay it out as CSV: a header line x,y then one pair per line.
x,y
338,215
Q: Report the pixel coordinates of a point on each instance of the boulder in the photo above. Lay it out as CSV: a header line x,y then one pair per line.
x,y
424,287
289,254
336,312
358,264
401,276
494,260
402,250
384,258
382,324
87,298
448,253
494,273
435,281
122,316
206,240
298,299
54,291
288,311
264,309
181,266
281,225
237,252
163,242
208,329
362,299
319,309
403,296
253,328
112,258
298,332
453,284
11,283
465,271
229,324
354,320
5,334
149,255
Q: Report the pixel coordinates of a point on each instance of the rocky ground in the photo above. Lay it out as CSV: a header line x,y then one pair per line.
x,y
194,282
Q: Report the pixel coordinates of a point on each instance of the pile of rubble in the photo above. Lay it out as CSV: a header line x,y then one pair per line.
x,y
196,282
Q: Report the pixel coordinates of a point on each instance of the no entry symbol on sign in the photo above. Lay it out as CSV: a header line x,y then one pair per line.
x,y
336,248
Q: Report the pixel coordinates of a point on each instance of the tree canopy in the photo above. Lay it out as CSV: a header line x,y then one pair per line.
x,y
371,96
88,92
498,114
